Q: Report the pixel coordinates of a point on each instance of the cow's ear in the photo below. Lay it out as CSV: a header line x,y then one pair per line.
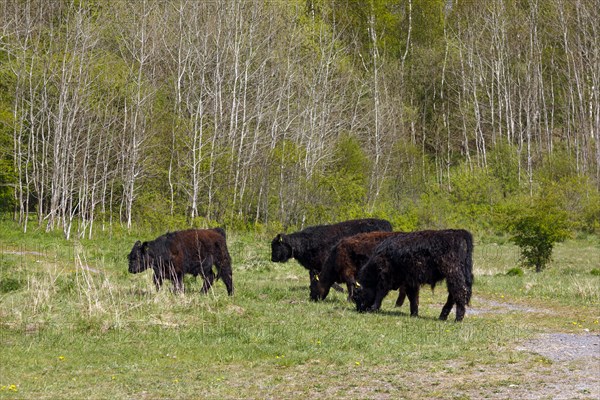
x,y
278,238
145,246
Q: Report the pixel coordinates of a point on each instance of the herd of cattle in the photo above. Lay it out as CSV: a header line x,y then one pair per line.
x,y
365,254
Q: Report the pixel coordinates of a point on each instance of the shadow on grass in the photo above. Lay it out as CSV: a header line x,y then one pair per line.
x,y
299,288
137,292
398,313
391,313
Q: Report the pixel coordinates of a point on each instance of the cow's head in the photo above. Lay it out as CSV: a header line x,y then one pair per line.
x,y
364,297
139,257
317,289
281,250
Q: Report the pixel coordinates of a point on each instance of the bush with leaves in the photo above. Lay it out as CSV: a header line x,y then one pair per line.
x,y
536,229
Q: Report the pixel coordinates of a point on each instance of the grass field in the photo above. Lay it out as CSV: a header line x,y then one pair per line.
x,y
75,324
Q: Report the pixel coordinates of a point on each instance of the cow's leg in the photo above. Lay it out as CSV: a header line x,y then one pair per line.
x,y
225,272
158,280
380,294
447,308
350,285
401,296
178,282
413,298
460,301
457,288
460,311
228,280
337,287
208,276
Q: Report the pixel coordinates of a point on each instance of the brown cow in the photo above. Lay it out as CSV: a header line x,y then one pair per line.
x,y
344,262
192,251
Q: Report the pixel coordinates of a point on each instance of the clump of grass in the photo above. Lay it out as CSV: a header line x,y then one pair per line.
x,y
595,271
9,284
516,271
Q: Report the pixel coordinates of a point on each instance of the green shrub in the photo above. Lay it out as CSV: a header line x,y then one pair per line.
x,y
536,228
595,271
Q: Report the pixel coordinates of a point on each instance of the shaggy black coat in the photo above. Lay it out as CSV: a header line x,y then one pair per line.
x,y
415,259
344,262
192,251
311,246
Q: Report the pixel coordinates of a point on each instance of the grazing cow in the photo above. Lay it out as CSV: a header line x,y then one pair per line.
x,y
311,245
344,262
192,251
415,259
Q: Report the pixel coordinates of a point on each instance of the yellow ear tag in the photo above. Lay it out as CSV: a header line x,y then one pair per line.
x,y
356,284
317,278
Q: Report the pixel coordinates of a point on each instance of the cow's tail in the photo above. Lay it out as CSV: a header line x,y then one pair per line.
x,y
468,265
224,270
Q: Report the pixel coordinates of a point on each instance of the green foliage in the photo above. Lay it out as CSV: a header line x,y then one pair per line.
x,y
536,229
410,176
516,271
428,21
578,197
473,195
504,168
8,176
557,165
349,159
458,91
434,210
349,172
9,284
359,16
595,271
342,188
404,217
152,212
285,181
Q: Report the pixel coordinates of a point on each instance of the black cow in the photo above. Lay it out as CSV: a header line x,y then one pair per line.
x,y
192,251
344,262
311,245
415,259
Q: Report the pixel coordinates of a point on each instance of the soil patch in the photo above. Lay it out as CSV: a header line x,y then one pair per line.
x,y
485,306
23,253
563,347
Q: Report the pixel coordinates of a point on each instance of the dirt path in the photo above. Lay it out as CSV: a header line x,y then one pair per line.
x,y
569,369
568,366
565,347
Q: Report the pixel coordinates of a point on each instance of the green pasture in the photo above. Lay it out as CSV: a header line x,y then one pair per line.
x,y
75,324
